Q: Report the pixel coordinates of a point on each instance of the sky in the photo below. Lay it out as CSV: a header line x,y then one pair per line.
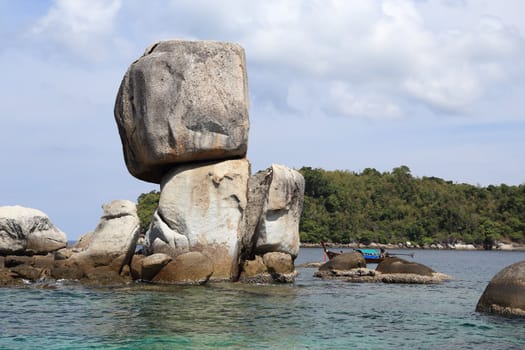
x,y
437,86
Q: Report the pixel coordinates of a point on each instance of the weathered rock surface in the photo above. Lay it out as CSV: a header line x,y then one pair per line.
x,y
505,293
253,268
160,238
344,261
28,231
278,263
115,236
281,192
257,196
187,268
183,101
394,265
152,264
272,267
203,204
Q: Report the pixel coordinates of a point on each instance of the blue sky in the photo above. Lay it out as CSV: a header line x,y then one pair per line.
x,y
434,85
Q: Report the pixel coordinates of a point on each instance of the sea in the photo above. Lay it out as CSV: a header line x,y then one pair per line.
x,y
308,314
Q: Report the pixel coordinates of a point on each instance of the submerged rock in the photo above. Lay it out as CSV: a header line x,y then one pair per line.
x,y
505,293
182,102
28,231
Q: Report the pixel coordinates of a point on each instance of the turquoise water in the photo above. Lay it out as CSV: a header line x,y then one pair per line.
x,y
310,314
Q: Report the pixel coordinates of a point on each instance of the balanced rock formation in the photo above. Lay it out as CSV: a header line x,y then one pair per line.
x,y
182,114
505,293
28,231
201,209
181,102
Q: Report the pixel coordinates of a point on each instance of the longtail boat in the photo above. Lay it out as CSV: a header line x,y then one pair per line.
x,y
371,255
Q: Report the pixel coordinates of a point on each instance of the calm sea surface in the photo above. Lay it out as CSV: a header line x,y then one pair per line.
x,y
310,314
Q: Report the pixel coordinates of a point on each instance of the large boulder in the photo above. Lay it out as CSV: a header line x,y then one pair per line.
x,y
187,268
28,231
276,198
202,205
394,265
115,236
183,101
505,293
344,261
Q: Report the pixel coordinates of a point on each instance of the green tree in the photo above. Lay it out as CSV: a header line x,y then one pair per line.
x,y
147,203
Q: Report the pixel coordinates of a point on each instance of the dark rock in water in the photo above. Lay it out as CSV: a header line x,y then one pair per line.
x,y
344,261
397,265
505,293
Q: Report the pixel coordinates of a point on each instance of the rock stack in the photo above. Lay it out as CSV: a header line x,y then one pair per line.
x,y
182,114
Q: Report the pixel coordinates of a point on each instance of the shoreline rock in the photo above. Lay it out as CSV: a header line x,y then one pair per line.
x,y
505,293
364,275
28,231
499,246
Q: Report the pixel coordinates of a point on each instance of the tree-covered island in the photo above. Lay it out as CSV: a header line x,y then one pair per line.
x,y
391,207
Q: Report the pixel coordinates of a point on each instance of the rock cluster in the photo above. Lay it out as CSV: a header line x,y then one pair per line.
x,y
348,267
101,257
182,115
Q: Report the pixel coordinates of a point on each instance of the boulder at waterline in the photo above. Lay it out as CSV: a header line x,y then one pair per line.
x,y
152,264
505,293
395,265
272,267
344,261
28,231
278,263
181,102
160,238
278,226
115,236
187,268
205,204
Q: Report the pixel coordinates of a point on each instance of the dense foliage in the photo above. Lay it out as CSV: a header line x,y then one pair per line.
x,y
392,207
146,205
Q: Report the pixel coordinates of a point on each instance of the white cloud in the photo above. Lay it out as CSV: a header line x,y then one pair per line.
x,y
83,27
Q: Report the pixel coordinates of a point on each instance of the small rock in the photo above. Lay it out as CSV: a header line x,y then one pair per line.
x,y
278,263
152,264
394,265
344,261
